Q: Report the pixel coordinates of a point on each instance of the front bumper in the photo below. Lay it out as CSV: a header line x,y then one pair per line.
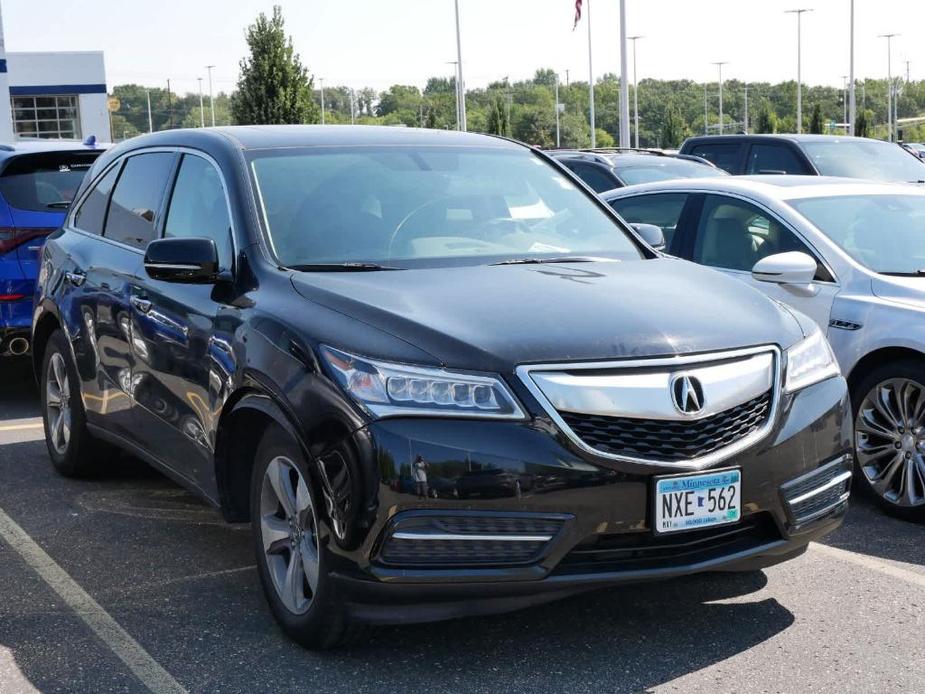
x,y
599,510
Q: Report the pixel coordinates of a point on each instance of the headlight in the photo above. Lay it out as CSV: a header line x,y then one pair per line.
x,y
390,390
809,361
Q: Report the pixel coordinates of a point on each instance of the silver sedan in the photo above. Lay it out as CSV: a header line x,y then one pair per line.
x,y
848,253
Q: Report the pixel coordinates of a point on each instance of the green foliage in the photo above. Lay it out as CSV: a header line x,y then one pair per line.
x,y
274,86
499,122
863,125
674,129
766,122
603,138
816,126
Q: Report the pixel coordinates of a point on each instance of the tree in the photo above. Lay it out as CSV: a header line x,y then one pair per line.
x,y
674,129
816,124
274,86
498,118
864,123
767,120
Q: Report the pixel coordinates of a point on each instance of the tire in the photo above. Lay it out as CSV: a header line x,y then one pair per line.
x,y
285,507
72,449
889,437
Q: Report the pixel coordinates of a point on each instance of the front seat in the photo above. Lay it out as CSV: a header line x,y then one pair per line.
x,y
733,247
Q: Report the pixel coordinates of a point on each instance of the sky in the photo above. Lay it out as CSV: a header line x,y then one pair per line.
x,y
378,43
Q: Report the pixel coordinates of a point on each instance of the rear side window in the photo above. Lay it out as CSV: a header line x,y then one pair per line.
x,y
198,207
46,181
137,198
662,209
724,154
774,159
593,176
91,215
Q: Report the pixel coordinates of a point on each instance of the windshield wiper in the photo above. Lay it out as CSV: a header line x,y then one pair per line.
x,y
342,267
542,261
58,205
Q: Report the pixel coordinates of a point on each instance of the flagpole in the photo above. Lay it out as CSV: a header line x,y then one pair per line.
x,y
624,86
591,78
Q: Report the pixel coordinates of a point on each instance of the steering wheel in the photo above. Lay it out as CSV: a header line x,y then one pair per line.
x,y
410,216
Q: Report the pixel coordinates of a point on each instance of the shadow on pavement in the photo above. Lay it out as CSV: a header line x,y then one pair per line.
x,y
18,394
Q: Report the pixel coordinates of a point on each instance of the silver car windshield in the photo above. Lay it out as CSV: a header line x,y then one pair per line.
x,y
413,206
885,233
879,161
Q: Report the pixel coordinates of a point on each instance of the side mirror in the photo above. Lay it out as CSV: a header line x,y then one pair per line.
x,y
794,267
187,260
651,234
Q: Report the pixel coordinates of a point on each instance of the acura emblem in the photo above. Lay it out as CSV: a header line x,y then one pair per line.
x,y
687,394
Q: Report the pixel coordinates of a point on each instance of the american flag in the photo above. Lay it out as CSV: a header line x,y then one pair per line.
x,y
577,14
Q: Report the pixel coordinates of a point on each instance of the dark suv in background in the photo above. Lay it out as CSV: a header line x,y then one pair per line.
x,y
437,375
606,169
809,155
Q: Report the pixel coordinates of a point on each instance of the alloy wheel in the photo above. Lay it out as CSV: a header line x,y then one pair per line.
x,y
288,527
890,441
57,403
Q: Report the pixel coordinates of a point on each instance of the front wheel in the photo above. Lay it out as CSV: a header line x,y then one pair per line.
x,y
291,547
889,432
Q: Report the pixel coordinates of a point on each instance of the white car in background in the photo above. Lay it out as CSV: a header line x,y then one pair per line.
x,y
848,253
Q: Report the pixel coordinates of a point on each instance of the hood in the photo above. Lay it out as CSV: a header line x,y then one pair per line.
x,y
909,291
492,318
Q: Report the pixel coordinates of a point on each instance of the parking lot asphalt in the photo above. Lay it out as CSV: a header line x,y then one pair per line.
x,y
127,583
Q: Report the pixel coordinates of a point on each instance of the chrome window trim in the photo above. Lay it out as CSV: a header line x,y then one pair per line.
x,y
678,362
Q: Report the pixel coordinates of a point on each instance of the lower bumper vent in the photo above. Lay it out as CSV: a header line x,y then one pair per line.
x,y
438,539
818,493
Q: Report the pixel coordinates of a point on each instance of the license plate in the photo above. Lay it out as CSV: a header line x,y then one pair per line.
x,y
690,502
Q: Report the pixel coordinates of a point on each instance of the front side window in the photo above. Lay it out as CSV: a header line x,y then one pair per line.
x,y
885,233
44,182
413,206
774,159
198,207
91,215
46,117
725,155
662,209
735,235
137,198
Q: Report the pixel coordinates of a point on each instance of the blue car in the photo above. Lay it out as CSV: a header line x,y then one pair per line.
x,y
38,180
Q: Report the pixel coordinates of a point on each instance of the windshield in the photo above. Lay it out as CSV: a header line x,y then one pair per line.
x,y
880,161
417,205
44,182
885,233
665,170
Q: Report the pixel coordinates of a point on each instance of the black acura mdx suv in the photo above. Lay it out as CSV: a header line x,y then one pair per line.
x,y
437,375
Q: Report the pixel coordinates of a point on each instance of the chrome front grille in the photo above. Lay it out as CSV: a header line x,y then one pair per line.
x,y
633,410
667,440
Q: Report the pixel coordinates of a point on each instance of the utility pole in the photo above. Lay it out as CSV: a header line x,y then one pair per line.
x,y
889,79
706,112
635,93
558,141
720,66
460,84
799,14
845,99
566,79
202,115
624,82
852,104
591,81
150,121
211,100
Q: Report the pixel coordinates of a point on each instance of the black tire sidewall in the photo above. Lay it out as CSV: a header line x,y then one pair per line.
x,y
75,461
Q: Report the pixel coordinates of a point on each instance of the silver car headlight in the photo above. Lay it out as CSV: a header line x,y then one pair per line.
x,y
809,361
391,390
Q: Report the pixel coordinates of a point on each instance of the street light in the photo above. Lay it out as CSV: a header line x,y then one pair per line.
x,y
720,66
624,83
889,79
635,92
460,86
799,14
211,100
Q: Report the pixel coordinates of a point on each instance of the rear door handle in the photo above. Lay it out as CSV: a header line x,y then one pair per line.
x,y
75,278
142,305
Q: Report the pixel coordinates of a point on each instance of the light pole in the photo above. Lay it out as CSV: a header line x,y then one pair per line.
x,y
321,82
720,66
889,80
202,115
745,124
852,104
150,121
706,112
211,100
591,82
624,82
455,65
635,93
558,141
799,14
845,99
460,86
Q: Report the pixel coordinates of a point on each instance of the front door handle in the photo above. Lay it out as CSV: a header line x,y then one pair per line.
x,y
75,278
142,305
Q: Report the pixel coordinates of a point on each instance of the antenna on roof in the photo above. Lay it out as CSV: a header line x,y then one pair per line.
x,y
90,141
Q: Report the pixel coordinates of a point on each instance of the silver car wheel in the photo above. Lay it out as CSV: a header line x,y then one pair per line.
x,y
57,404
890,441
288,527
